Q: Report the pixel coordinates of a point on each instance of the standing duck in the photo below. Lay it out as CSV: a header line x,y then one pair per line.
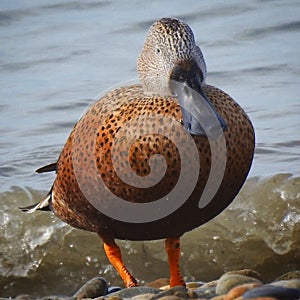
x,y
153,160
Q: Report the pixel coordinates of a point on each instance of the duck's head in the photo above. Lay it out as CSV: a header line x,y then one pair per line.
x,y
172,64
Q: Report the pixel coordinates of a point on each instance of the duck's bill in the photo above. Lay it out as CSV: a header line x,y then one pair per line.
x,y
198,114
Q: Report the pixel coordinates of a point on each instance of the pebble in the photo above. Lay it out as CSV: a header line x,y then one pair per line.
x,y
233,285
147,296
277,292
193,285
158,283
113,289
261,298
231,280
238,291
246,272
210,284
112,298
174,291
94,288
290,275
55,297
204,293
172,297
24,297
294,283
134,291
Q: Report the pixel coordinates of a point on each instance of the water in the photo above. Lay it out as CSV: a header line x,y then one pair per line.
x,y
57,56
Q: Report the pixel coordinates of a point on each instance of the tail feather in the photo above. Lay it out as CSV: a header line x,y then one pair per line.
x,y
42,205
48,168
46,202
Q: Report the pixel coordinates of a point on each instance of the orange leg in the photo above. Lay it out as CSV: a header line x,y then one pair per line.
x,y
113,254
173,251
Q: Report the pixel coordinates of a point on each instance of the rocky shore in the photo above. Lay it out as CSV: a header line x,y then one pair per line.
x,y
241,284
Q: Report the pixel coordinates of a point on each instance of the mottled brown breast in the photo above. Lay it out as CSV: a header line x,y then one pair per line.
x,y
118,138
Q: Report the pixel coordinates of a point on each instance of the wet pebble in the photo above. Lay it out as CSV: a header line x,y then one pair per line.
x,y
277,292
94,288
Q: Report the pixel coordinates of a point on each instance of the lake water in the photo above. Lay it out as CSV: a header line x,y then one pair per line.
x,y
57,56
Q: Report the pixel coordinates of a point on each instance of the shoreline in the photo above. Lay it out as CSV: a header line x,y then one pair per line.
x,y
240,284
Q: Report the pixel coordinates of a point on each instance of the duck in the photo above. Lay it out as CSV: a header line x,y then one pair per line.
x,y
156,159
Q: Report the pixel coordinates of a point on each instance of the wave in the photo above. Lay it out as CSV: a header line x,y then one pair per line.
x,y
259,230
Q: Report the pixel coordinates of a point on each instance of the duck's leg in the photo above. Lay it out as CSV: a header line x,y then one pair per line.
x,y
173,251
113,254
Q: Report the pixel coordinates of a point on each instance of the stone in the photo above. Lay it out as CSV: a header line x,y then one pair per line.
x,y
170,297
246,272
170,292
239,290
205,293
114,298
24,297
210,284
56,297
293,283
182,295
220,297
134,291
260,298
165,287
94,288
288,276
265,298
147,296
231,280
113,289
193,285
277,292
158,283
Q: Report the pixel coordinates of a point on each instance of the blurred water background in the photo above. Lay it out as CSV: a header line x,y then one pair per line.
x,y
56,56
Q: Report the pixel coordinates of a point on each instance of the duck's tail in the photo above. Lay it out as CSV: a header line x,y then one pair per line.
x,y
42,205
48,168
46,202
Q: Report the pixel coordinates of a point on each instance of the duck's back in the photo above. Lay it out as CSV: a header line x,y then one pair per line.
x,y
112,153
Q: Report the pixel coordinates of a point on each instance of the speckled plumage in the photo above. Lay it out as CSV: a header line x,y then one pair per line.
x,y
68,201
169,44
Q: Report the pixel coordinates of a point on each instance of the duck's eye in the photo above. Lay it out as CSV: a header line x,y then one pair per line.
x,y
157,50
